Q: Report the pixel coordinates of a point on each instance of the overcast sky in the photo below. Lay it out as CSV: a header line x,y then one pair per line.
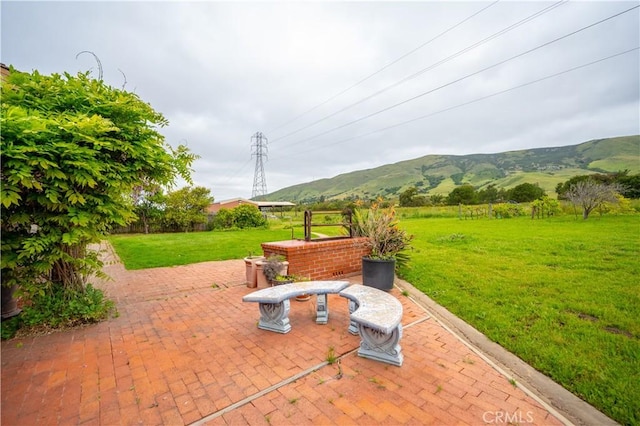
x,y
222,71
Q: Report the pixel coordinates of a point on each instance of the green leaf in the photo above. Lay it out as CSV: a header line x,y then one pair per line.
x,y
55,174
10,197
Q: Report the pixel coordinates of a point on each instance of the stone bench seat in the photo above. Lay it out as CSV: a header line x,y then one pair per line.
x,y
274,302
376,316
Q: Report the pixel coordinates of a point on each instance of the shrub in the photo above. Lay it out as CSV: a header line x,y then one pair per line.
x,y
507,210
243,216
59,308
248,216
223,219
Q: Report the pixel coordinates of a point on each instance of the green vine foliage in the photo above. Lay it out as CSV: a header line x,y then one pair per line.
x,y
73,151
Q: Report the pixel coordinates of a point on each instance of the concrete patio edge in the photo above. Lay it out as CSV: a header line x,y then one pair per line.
x,y
567,406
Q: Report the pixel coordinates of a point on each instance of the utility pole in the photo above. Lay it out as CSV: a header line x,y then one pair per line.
x,y
259,150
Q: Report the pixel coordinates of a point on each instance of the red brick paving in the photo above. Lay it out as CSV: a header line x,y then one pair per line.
x,y
185,349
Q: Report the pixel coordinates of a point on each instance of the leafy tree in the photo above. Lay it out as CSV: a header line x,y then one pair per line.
x,y
149,206
630,185
437,199
525,192
410,198
186,207
406,197
489,194
563,187
464,194
73,150
589,194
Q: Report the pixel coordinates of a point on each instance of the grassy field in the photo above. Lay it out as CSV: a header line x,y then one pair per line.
x,y
138,251
560,293
151,251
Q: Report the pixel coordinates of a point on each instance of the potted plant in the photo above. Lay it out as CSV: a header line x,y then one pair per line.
x,y
386,240
288,279
271,268
284,279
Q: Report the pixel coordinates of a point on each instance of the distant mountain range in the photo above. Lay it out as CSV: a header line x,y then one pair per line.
x,y
440,174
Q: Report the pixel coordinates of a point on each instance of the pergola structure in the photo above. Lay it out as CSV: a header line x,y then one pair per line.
x,y
263,206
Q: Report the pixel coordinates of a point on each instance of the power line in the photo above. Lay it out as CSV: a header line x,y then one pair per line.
x,y
422,117
432,66
383,68
462,78
238,171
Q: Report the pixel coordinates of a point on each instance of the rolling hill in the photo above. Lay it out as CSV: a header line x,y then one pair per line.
x,y
439,174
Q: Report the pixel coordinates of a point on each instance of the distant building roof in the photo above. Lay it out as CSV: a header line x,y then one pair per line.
x,y
267,204
235,202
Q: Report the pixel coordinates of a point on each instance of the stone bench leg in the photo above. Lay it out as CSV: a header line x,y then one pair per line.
x,y
322,309
380,346
353,326
275,316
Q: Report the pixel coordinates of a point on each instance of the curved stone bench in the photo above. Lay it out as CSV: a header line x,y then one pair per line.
x,y
274,302
376,315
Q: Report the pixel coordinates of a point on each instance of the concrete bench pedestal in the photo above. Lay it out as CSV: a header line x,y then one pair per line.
x,y
376,316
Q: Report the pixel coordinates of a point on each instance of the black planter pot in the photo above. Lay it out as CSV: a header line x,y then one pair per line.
x,y
9,303
378,273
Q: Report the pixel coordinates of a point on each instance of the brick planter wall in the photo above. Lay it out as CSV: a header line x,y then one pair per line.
x,y
323,259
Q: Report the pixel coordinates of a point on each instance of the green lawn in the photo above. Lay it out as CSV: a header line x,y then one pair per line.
x,y
151,251
560,293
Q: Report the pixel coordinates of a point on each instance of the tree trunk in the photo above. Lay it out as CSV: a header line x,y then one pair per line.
x,y
66,272
145,223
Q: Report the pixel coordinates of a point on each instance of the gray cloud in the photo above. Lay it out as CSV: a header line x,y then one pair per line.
x,y
220,71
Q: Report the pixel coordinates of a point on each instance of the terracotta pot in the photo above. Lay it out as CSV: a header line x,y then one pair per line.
x,y
261,280
252,270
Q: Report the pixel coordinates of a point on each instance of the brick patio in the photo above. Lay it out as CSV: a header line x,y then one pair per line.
x,y
185,350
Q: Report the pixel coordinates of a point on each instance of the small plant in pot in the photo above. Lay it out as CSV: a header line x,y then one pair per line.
x,y
284,279
288,279
274,266
386,240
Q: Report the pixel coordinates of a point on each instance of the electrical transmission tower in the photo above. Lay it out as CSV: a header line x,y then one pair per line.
x,y
259,150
